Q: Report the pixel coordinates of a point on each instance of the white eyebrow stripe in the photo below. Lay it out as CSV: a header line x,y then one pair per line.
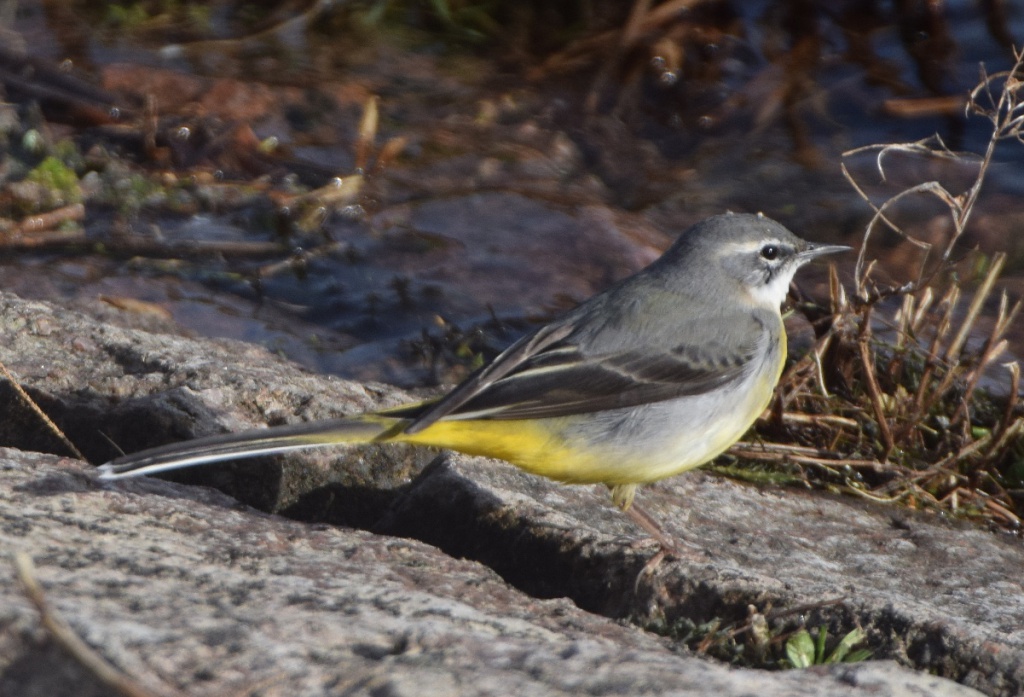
x,y
750,245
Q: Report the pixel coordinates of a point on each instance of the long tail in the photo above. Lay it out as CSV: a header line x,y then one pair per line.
x,y
354,429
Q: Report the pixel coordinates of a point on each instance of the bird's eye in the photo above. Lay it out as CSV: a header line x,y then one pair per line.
x,y
769,252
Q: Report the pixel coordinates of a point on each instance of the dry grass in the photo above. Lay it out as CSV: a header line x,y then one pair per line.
x,y
889,405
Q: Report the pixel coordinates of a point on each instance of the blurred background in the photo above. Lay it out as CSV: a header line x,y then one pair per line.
x,y
397,189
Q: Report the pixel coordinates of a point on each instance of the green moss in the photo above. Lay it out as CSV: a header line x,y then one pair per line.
x,y
156,15
59,180
199,16
126,16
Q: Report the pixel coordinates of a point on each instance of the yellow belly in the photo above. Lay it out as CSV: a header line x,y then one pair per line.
x,y
651,442
627,446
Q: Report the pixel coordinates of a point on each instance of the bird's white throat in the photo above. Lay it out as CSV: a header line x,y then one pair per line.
x,y
774,292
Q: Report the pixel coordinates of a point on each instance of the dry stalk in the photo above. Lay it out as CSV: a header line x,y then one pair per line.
x,y
874,391
1005,112
819,419
367,133
919,395
952,352
31,404
628,37
1011,400
782,454
933,361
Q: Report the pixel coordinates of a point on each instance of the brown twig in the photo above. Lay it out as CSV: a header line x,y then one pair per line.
x,y
1007,122
40,222
980,296
1012,397
367,133
54,428
874,391
796,610
781,452
627,38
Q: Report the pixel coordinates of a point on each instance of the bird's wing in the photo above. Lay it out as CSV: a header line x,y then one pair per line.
x,y
508,361
548,375
569,382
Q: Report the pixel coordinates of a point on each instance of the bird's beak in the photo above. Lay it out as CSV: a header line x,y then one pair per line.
x,y
813,251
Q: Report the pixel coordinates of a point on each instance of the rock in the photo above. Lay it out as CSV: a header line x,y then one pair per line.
x,y
212,596
183,586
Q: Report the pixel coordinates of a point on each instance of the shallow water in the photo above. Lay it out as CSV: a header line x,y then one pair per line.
x,y
509,201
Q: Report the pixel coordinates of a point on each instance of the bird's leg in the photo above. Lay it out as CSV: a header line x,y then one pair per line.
x,y
622,496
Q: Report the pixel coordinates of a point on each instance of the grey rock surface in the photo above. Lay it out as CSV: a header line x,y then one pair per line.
x,y
182,586
186,584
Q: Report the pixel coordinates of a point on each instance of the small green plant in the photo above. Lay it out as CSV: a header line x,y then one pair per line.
x,y
765,638
157,16
126,16
803,652
60,183
470,21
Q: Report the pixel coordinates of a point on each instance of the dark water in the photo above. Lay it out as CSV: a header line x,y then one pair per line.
x,y
511,201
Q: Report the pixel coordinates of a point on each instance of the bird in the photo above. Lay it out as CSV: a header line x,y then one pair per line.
x,y
656,375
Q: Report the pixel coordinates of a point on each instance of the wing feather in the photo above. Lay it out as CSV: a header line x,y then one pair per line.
x,y
514,356
550,374
568,382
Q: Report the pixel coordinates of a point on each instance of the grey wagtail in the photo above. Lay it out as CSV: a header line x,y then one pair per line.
x,y
655,376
